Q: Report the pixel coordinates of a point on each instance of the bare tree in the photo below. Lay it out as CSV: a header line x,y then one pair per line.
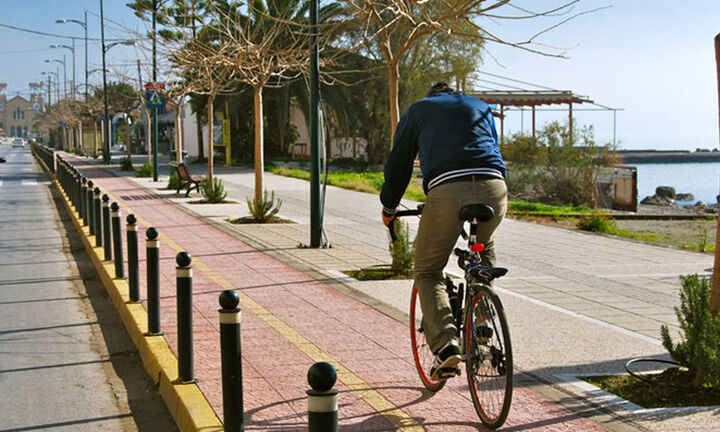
x,y
392,27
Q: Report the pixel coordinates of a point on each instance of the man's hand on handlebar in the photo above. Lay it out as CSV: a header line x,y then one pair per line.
x,y
387,218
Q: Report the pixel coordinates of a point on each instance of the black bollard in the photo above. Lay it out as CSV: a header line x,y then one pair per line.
x,y
152,254
322,399
97,218
83,200
133,268
107,238
231,362
117,241
184,317
89,205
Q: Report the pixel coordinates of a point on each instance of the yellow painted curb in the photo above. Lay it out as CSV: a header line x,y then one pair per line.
x,y
189,407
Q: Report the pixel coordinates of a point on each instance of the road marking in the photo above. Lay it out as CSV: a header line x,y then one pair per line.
x,y
397,417
29,182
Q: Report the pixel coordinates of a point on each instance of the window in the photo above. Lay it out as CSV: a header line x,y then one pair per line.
x,y
18,114
12,130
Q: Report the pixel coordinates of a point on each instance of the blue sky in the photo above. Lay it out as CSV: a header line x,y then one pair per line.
x,y
653,59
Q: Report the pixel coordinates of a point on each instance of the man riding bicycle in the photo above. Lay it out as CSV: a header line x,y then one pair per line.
x,y
461,164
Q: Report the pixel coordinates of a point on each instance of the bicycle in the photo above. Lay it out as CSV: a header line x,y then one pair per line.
x,y
486,349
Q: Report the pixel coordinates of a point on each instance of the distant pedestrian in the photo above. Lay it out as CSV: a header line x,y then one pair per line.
x,y
455,137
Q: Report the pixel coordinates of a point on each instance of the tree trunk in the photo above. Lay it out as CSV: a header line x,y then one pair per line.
x,y
127,139
198,130
394,87
178,144
95,138
211,100
259,162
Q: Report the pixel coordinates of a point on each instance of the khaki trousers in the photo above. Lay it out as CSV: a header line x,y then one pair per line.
x,y
438,232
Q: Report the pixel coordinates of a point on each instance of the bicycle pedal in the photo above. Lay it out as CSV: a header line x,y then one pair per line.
x,y
446,373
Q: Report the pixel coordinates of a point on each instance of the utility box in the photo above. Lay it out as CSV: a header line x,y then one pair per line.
x,y
617,188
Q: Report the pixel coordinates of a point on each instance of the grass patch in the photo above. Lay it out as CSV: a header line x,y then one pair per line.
x,y
674,392
251,220
370,182
522,207
378,273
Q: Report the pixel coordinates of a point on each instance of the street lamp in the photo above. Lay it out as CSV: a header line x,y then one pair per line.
x,y
84,25
105,48
64,72
72,49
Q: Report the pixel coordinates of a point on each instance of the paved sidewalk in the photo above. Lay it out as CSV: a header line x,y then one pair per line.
x,y
578,304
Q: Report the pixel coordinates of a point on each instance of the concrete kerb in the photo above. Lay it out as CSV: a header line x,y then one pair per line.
x,y
187,404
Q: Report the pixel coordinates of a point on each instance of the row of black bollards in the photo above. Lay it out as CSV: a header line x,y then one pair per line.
x,y
103,220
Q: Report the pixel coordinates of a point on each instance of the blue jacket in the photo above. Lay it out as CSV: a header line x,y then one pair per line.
x,y
455,136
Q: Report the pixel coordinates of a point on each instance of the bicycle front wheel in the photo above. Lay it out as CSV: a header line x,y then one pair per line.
x,y
422,354
489,362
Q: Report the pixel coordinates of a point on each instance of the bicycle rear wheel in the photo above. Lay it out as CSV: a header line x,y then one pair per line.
x,y
489,362
422,353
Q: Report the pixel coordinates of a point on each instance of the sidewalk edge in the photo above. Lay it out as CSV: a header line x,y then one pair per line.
x,y
186,403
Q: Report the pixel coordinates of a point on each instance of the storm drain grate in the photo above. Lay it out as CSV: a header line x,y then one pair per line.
x,y
140,197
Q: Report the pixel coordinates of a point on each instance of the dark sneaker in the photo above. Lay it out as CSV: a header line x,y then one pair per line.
x,y
446,360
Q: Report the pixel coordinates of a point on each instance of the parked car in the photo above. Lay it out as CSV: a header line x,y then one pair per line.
x,y
18,142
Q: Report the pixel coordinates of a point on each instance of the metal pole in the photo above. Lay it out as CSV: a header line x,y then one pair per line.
x,y
133,268
107,238
106,134
117,241
90,209
184,317
86,59
315,205
152,254
64,77
98,218
322,399
155,110
73,71
231,362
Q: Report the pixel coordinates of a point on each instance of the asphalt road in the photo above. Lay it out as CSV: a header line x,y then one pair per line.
x,y
66,363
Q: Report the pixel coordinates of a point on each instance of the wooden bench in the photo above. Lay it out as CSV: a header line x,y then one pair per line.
x,y
187,180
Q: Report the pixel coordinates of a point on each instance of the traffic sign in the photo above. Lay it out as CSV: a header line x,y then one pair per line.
x,y
153,95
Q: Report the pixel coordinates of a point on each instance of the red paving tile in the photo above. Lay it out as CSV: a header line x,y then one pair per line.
x,y
371,345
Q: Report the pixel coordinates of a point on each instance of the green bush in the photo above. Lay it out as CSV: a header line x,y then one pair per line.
x,y
264,209
597,222
78,151
173,181
402,250
146,170
699,348
126,164
215,193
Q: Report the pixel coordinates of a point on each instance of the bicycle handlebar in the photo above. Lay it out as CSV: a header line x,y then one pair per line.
x,y
401,213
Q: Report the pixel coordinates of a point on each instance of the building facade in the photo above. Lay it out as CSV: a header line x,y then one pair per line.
x,y
18,114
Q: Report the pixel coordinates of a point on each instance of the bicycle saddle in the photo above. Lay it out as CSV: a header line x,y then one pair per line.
x,y
482,212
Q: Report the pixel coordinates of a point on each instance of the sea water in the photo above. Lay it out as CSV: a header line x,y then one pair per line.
x,y
700,179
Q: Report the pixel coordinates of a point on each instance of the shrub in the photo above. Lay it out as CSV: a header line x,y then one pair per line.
x,y
699,348
126,164
597,222
78,151
264,209
215,193
146,170
173,181
402,250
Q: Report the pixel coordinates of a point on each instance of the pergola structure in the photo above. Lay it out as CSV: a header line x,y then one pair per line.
x,y
530,98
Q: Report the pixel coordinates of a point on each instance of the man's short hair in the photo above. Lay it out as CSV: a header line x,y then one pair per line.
x,y
439,87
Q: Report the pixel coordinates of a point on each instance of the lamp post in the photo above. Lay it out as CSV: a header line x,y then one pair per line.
x,y
84,25
64,72
72,49
105,48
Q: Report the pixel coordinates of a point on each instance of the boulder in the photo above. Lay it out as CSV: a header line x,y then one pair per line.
x,y
658,201
666,192
685,197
